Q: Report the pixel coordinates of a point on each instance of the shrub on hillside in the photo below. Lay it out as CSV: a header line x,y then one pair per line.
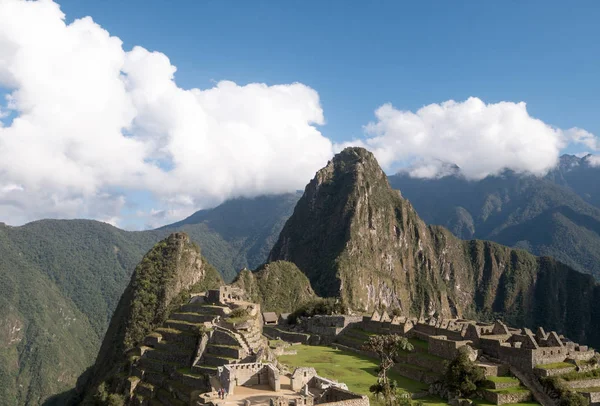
x,y
573,399
317,306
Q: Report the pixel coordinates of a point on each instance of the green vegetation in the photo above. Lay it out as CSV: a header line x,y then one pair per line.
x,y
529,212
483,402
161,283
387,347
463,376
43,334
154,282
277,343
346,241
357,371
60,281
577,376
565,396
515,389
574,399
238,315
316,306
503,379
555,365
278,286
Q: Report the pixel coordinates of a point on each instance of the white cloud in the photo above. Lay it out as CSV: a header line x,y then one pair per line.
x,y
92,117
593,160
482,139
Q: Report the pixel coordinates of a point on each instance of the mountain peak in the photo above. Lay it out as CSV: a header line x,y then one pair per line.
x,y
161,282
355,238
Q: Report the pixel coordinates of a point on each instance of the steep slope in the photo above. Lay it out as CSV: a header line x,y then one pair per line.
x,y
579,175
162,282
277,286
356,238
517,210
240,232
45,341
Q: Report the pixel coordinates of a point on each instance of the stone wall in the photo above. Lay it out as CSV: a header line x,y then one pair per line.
x,y
273,377
505,398
584,383
548,355
593,397
541,372
363,401
334,394
301,377
289,336
519,357
233,375
442,347
582,355
490,347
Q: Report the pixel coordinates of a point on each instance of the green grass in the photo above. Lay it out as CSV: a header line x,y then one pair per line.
x,y
503,379
189,372
424,345
276,343
431,357
356,371
579,376
483,402
516,389
587,390
555,365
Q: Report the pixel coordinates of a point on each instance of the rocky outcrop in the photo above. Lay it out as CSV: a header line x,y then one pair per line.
x,y
358,239
161,283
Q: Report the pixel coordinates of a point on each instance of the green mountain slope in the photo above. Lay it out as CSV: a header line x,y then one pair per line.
x,y
358,239
45,340
278,286
161,282
528,212
86,265
240,232
580,176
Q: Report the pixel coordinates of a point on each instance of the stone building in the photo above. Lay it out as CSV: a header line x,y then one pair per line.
x,y
250,374
269,318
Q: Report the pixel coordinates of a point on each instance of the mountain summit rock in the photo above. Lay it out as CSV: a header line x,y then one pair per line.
x,y
356,238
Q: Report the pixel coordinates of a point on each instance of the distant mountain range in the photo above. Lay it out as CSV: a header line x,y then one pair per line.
x,y
557,215
60,280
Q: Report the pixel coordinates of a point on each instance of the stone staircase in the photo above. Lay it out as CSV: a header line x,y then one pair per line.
x,y
506,390
179,360
162,372
225,346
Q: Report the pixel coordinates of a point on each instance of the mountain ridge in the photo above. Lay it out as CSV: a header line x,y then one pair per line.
x,y
356,238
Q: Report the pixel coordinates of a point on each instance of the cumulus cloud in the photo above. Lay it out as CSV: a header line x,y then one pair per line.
x,y
482,139
90,118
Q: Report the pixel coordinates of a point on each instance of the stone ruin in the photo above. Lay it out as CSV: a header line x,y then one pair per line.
x,y
215,341
495,347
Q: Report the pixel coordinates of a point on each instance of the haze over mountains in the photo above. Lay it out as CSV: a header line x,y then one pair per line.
x,y
61,279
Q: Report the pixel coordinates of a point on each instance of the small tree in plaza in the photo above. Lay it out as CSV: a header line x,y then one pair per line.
x,y
387,347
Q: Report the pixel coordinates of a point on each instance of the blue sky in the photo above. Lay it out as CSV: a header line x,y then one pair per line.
x,y
358,55
265,92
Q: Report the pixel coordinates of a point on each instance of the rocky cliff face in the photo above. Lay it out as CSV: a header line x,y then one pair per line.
x,y
161,283
278,286
356,238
